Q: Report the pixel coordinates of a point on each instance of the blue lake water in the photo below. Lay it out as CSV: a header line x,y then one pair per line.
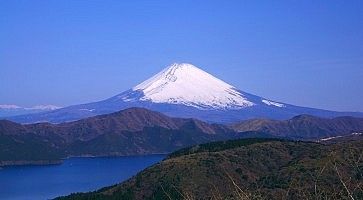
x,y
74,175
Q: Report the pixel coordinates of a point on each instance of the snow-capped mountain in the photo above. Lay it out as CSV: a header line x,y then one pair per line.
x,y
188,85
183,90
7,110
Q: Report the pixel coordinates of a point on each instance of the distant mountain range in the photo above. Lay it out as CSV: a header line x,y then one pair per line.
x,y
183,90
7,110
247,169
134,131
303,127
138,131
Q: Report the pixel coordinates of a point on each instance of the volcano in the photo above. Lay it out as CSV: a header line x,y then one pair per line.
x,y
184,90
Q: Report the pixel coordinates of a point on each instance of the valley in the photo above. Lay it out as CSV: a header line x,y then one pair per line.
x,y
138,131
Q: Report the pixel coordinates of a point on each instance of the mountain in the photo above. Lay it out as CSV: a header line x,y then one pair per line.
x,y
183,90
303,127
134,131
185,84
247,169
130,120
13,110
138,131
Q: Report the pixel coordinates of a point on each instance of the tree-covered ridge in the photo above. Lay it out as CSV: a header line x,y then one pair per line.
x,y
251,170
220,146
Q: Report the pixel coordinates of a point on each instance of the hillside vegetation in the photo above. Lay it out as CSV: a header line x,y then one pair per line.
x,y
248,169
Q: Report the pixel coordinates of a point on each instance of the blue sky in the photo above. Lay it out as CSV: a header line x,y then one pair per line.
x,y
308,53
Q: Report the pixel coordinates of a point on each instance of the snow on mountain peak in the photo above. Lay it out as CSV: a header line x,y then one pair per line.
x,y
44,107
38,107
272,103
188,85
8,106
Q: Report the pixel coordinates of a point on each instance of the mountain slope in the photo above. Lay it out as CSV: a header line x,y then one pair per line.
x,y
303,126
248,169
134,131
183,90
187,85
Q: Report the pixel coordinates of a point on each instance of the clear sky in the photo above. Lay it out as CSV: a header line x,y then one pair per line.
x,y
307,53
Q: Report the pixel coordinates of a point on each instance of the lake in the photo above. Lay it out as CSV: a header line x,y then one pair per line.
x,y
74,175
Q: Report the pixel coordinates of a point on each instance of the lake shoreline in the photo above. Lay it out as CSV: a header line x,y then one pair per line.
x,y
9,163
73,176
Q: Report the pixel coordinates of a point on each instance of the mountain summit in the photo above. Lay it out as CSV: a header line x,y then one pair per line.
x,y
188,85
184,90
